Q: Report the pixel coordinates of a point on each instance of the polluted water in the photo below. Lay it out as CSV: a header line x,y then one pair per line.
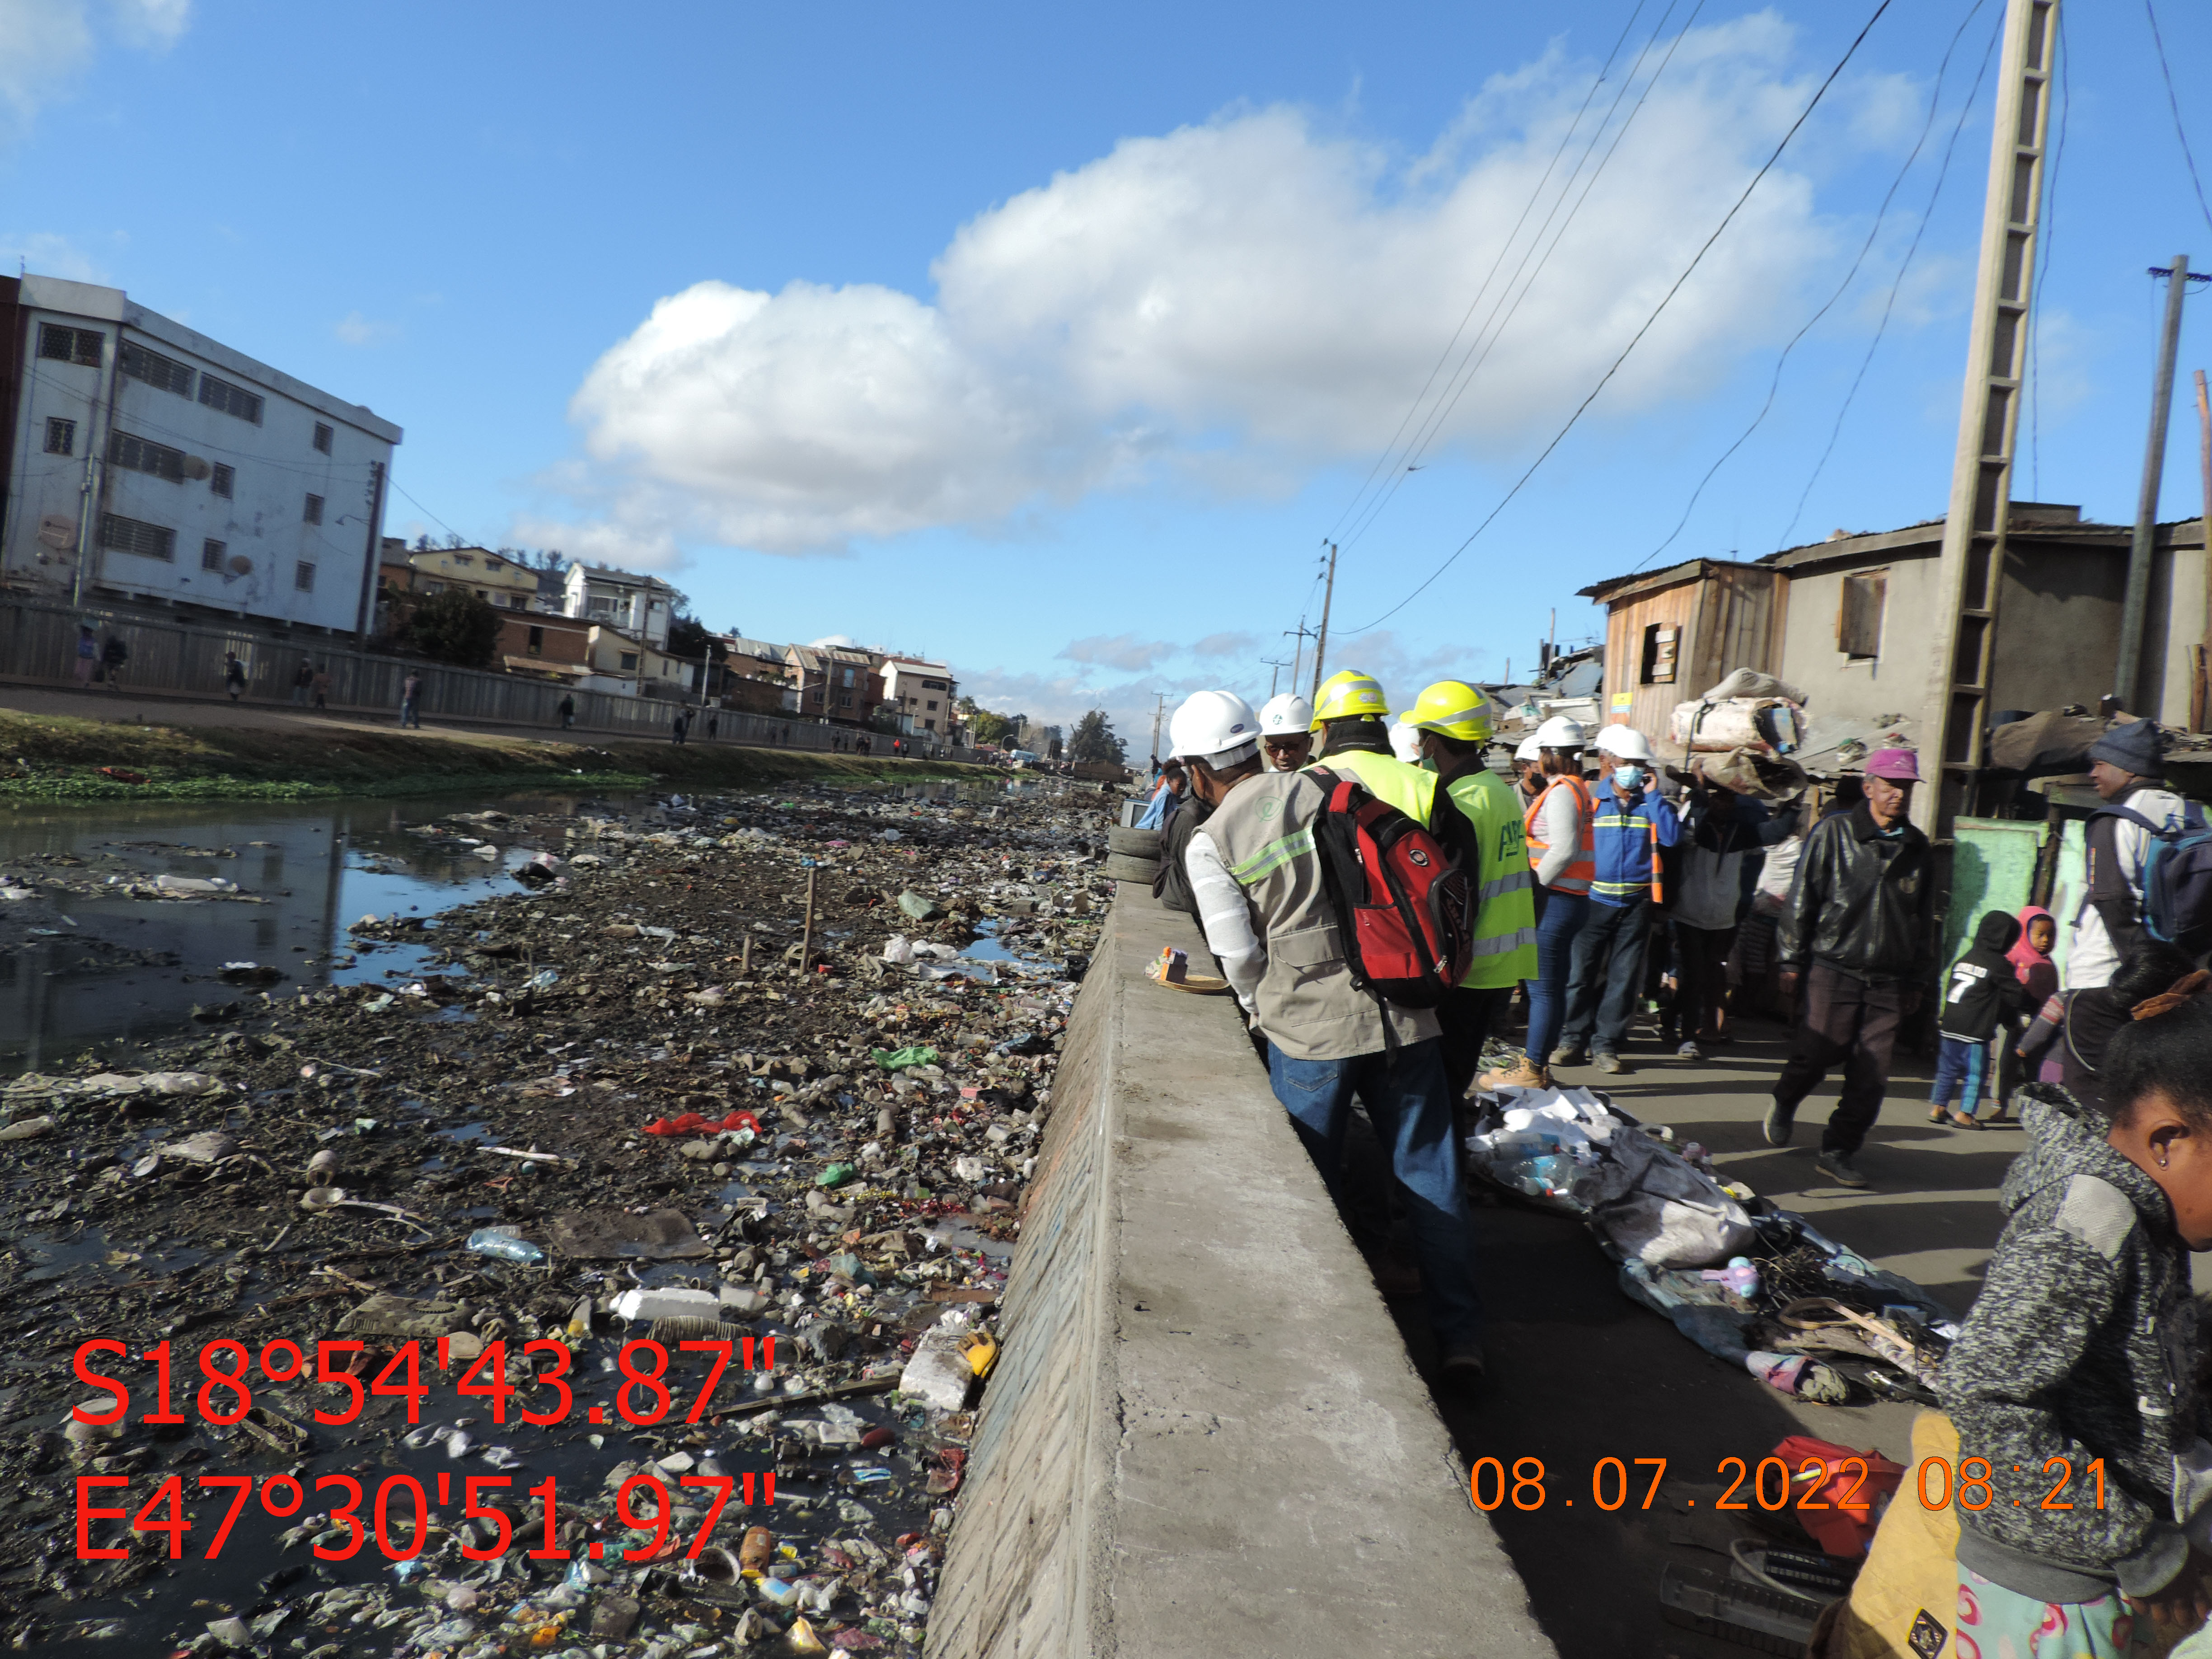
x,y
617,1275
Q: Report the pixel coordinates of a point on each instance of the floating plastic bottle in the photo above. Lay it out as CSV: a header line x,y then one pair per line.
x,y
504,1247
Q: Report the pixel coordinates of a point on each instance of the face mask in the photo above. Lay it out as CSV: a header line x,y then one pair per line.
x,y
1629,777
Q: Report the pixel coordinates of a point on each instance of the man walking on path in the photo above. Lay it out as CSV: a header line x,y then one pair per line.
x,y
410,701
1269,916
1632,839
1856,930
87,653
2129,771
322,684
567,710
303,679
234,674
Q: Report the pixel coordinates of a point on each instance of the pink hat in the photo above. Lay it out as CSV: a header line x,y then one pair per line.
x,y
1898,765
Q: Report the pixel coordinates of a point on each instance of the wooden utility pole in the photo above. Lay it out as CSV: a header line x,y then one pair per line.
x,y
1298,650
1955,713
2127,672
2200,686
1320,639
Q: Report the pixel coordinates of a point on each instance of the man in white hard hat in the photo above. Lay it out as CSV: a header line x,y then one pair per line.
x,y
1633,841
1529,771
1269,917
1287,732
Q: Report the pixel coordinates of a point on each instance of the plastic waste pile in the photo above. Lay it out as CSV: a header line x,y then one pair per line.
x,y
1748,710
1755,1285
647,1097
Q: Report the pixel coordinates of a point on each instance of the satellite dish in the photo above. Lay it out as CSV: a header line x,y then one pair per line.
x,y
240,565
196,468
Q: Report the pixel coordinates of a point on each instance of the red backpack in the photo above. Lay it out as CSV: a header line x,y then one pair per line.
x,y
1403,902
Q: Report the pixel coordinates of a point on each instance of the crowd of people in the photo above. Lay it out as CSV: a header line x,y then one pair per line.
x,y
1588,880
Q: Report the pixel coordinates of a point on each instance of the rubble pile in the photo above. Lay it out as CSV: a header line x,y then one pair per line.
x,y
767,1071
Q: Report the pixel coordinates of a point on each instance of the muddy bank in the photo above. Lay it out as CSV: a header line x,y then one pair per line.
x,y
621,1075
131,756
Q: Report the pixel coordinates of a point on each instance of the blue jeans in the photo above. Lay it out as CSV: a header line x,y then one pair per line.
x,y
1608,974
1558,919
1409,1102
1962,1069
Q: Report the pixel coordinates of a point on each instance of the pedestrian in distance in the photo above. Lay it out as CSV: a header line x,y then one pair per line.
x,y
2128,769
410,701
234,675
87,653
1982,995
1855,934
2075,1383
1557,827
675,727
113,653
1264,902
1287,732
567,710
1453,720
2072,1031
1529,780
303,680
323,685
714,720
1633,841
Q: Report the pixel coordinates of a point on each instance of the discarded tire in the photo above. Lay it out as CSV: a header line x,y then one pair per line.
x,y
1136,843
1121,867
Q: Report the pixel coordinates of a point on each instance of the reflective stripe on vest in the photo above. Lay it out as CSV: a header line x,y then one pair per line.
x,y
1505,898
1273,856
1622,822
1386,778
1578,875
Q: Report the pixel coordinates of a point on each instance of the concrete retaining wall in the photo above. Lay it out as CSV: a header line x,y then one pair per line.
x,y
1203,1435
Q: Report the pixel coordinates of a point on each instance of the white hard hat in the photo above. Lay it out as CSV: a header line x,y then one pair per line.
x,y
1406,742
1529,749
1218,727
1624,743
1285,715
1559,732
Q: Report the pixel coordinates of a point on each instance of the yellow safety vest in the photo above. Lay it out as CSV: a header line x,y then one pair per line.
x,y
1408,788
1505,887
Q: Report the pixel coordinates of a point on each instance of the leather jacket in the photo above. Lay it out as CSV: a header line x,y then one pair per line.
x,y
1860,901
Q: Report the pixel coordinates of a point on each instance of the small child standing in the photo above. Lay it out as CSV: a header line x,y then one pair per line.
x,y
1983,993
2073,1383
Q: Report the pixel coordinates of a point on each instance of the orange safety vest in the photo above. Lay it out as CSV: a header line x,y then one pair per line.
x,y
1578,875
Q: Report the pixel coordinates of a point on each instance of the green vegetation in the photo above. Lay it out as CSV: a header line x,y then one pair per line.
x,y
51,760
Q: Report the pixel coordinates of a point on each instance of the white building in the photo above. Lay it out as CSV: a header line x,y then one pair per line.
x,y
921,694
139,459
643,605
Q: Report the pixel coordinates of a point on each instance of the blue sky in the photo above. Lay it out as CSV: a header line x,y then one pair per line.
x,y
1055,345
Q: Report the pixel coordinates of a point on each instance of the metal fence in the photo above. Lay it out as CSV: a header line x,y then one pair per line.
x,y
38,642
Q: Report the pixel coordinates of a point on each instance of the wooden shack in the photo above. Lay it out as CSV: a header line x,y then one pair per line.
x,y
1670,634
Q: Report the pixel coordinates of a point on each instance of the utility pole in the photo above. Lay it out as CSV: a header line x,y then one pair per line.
x,y
2129,669
1160,709
1955,712
1298,650
1320,639
2199,690
1279,665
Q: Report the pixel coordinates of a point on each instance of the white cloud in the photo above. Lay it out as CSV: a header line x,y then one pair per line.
x,y
1227,645
356,330
46,45
1123,651
50,255
1224,303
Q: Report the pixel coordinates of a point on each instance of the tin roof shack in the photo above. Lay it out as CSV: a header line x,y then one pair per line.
x,y
1673,633
1859,631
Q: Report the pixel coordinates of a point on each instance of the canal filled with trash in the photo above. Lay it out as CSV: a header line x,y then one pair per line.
x,y
444,1129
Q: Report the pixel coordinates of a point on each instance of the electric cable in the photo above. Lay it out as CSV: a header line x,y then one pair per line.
x,y
2173,102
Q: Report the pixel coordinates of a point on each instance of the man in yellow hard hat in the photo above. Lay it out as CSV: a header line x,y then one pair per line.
x,y
1350,714
1453,720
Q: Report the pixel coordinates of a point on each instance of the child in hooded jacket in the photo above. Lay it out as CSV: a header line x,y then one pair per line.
x,y
2073,1382
1982,993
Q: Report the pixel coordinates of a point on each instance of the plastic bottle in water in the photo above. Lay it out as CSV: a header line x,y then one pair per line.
x,y
505,1247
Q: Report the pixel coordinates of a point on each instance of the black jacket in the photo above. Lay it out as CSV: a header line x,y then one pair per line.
x,y
1983,989
1171,887
1860,903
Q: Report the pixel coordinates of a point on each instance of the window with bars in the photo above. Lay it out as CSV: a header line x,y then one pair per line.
x,y
223,481
151,367
149,541
230,399
323,436
144,455
314,510
211,553
60,436
61,345
303,576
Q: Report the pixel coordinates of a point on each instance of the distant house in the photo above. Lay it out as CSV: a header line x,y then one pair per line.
x,y
751,677
551,647
921,694
835,682
492,577
628,666
643,605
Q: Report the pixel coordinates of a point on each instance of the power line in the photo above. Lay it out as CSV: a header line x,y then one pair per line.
x,y
1882,214
395,484
2174,104
1665,300
1889,306
1503,248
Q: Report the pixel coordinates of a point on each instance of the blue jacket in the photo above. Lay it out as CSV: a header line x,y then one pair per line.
x,y
1622,843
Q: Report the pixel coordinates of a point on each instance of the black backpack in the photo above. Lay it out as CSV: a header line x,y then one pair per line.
x,y
2176,903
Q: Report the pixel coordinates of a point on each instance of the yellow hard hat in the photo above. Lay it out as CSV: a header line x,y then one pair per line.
x,y
1349,696
1453,707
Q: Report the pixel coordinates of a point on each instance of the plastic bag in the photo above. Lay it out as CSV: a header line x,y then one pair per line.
x,y
1648,1205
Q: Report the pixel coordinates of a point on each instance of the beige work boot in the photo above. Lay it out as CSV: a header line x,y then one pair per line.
x,y
1524,1074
